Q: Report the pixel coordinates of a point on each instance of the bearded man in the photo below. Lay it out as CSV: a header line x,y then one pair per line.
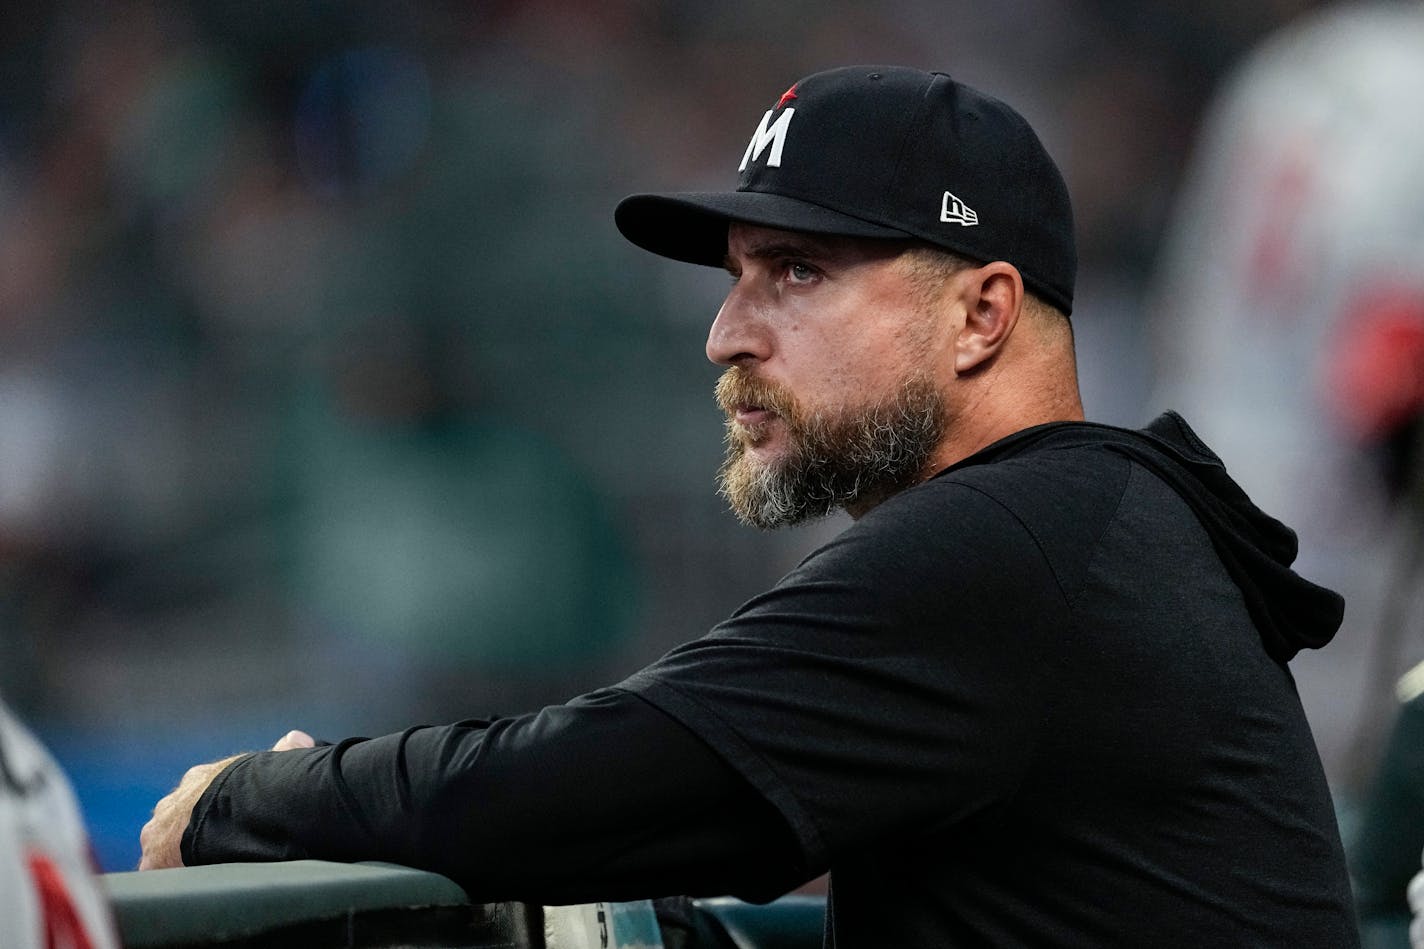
x,y
1036,695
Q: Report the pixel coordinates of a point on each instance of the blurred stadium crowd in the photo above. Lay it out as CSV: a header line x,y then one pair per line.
x,y
329,395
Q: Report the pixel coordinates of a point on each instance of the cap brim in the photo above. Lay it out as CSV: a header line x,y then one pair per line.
x,y
692,227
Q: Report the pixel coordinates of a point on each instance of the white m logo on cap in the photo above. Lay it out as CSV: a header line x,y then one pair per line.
x,y
954,211
775,136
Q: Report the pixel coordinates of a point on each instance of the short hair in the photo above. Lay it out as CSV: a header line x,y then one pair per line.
x,y
930,266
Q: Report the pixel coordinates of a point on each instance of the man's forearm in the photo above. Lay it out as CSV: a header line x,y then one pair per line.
x,y
601,798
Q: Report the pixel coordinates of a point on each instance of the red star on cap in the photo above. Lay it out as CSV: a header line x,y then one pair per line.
x,y
788,94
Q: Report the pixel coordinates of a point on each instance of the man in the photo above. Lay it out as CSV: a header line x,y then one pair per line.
x,y
1036,695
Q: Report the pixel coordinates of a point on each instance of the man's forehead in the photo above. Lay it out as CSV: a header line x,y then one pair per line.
x,y
754,240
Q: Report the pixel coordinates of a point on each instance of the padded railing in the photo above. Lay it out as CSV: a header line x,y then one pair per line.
x,y
310,904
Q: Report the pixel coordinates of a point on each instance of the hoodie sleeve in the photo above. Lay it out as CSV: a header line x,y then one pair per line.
x,y
602,798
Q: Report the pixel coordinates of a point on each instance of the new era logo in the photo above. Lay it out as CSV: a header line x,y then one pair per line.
x,y
954,211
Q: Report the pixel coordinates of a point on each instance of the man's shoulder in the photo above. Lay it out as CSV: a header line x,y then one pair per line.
x,y
1062,474
1051,500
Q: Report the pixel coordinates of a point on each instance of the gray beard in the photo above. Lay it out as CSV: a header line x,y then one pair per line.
x,y
849,459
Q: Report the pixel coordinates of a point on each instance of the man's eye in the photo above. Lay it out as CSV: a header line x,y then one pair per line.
x,y
800,273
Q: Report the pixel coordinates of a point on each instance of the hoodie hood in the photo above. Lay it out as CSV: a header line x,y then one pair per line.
x,y
1290,612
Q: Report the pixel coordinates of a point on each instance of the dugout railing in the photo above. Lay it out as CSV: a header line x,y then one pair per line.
x,y
310,904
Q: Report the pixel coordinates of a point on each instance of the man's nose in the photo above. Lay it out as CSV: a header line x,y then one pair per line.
x,y
738,335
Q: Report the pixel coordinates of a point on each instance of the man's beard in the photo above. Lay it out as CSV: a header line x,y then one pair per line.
x,y
850,457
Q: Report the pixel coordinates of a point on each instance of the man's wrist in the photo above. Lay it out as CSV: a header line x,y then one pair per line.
x,y
202,804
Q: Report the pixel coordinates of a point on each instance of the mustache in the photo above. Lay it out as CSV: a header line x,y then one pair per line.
x,y
738,388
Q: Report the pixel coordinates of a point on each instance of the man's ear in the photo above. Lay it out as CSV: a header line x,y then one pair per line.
x,y
993,300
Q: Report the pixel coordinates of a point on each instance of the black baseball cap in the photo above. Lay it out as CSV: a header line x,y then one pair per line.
x,y
884,152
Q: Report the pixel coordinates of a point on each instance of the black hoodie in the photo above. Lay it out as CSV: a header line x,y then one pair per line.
x,y
1040,700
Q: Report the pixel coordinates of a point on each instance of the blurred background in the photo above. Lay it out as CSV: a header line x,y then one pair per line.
x,y
331,398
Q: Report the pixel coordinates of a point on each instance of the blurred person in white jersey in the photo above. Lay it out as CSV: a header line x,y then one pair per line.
x,y
1289,324
50,897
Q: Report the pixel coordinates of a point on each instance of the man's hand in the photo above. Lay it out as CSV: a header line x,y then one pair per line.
x,y
162,836
294,739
